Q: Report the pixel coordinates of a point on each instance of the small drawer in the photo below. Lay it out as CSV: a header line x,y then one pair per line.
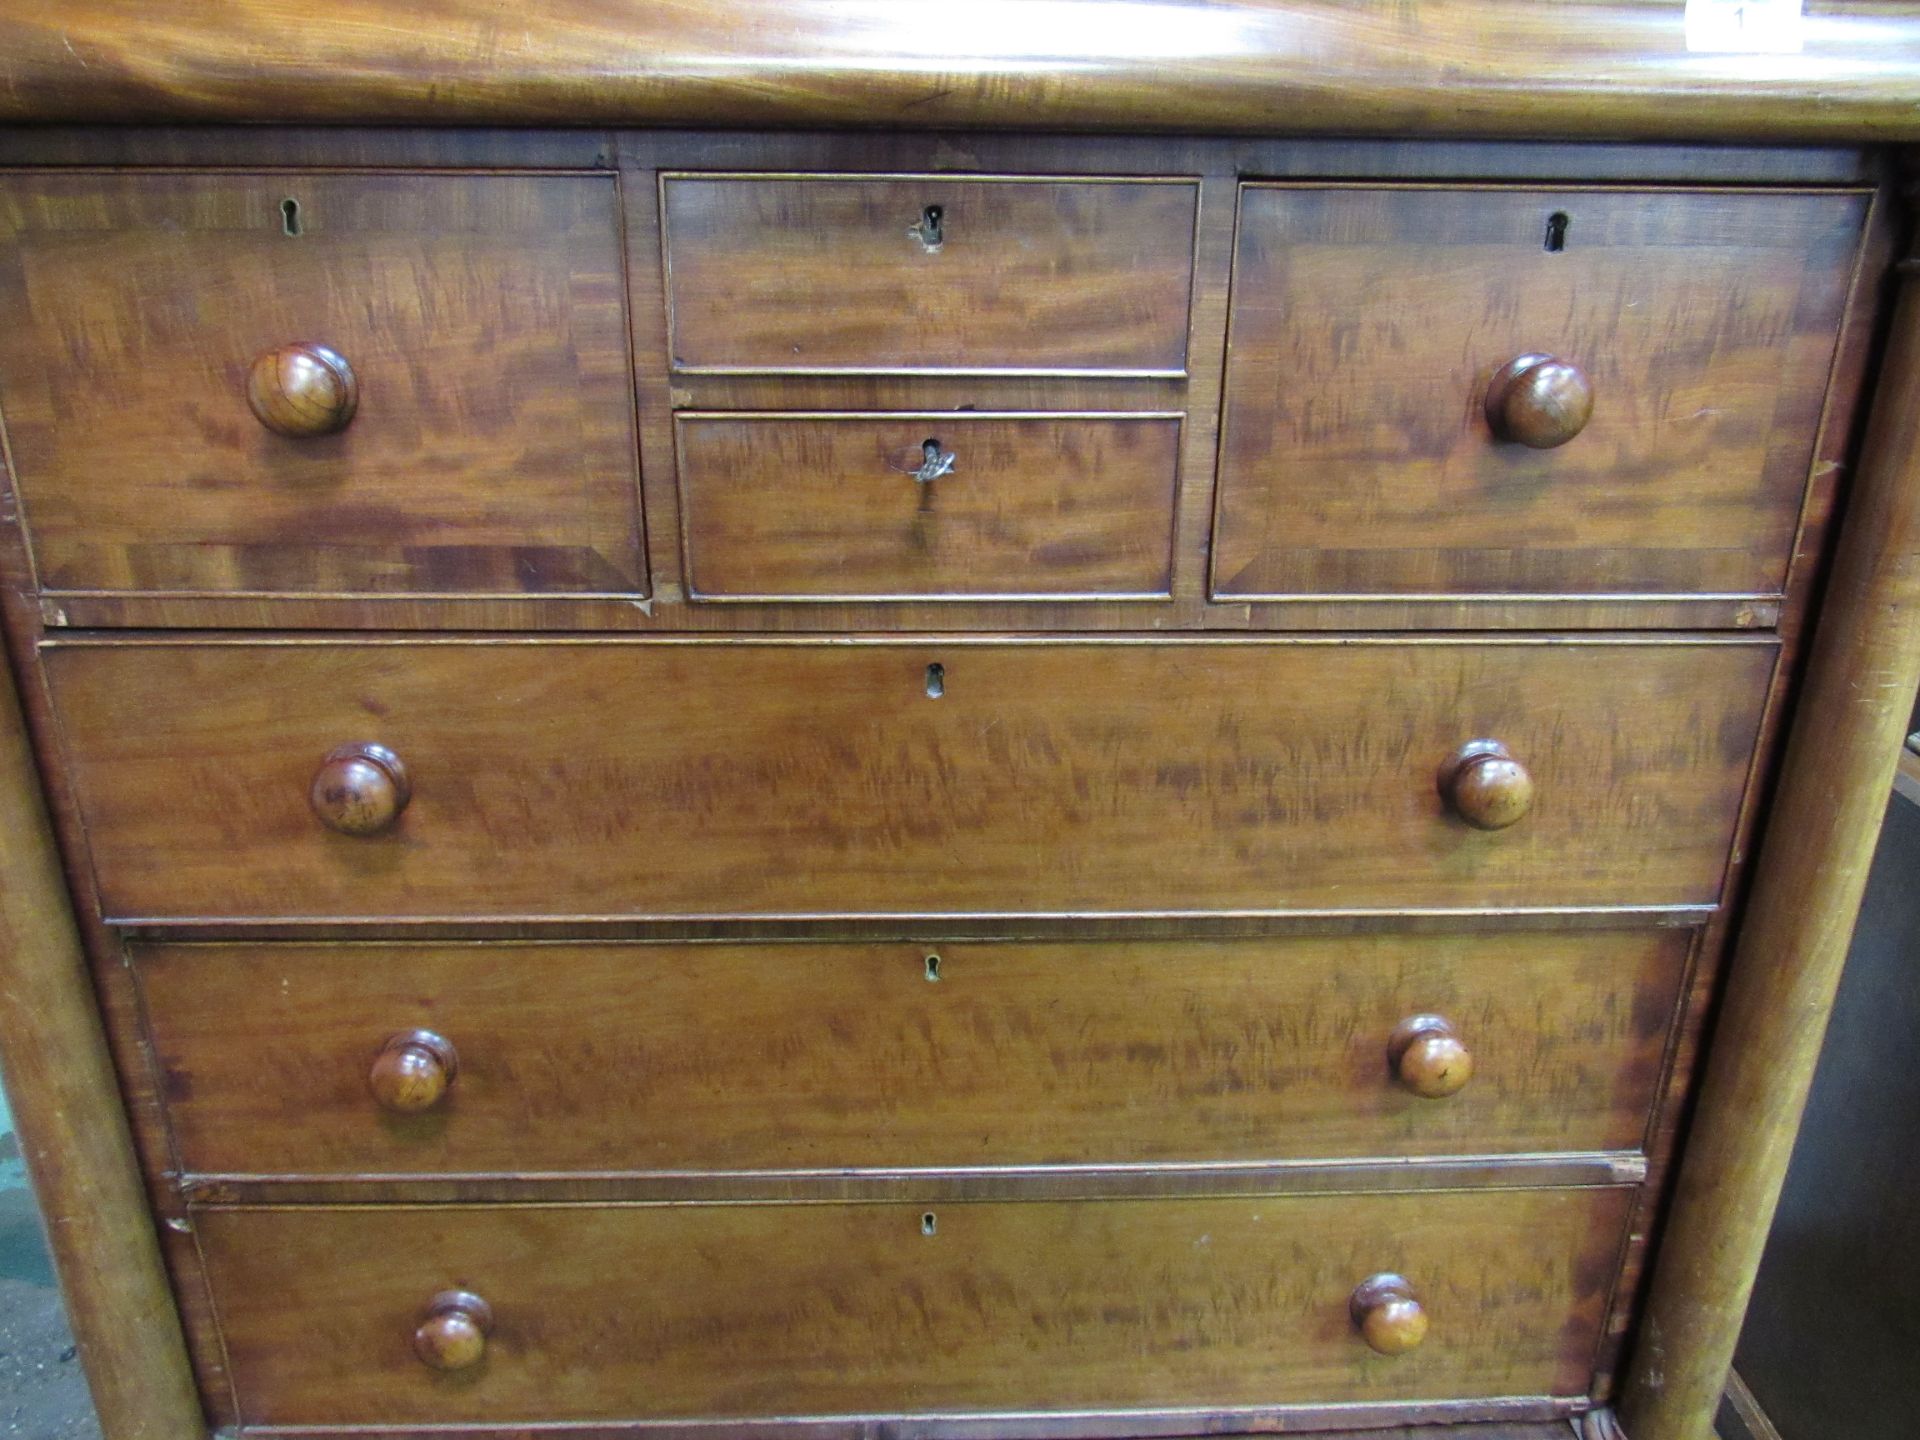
x,y
399,385
640,779
928,273
422,1315
345,1060
944,506
1503,392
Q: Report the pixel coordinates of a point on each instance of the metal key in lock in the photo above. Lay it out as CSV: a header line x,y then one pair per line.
x,y
934,462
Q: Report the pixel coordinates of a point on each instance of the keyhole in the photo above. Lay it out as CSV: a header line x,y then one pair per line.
x,y
933,969
929,1224
936,681
290,216
1557,232
931,231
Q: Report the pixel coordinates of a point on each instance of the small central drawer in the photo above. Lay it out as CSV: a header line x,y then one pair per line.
x,y
418,1315
466,1059
928,273
931,776
940,506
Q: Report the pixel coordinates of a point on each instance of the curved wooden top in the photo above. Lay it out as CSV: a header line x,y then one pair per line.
x,y
1546,68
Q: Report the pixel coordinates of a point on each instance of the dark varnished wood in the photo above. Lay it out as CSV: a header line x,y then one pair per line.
x,y
1808,881
927,273
303,389
844,507
1074,1184
492,450
1835,462
73,1128
1429,1057
761,1310
1388,1314
1218,161
1442,66
1367,323
1539,401
783,1056
907,151
122,1408
411,1073
1486,786
1185,605
754,779
360,788
452,1333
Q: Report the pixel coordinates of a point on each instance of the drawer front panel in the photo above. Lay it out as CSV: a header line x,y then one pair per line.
x,y
833,1309
482,320
847,272
732,1057
1358,457
652,778
955,506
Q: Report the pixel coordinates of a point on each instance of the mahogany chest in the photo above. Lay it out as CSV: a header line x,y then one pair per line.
x,y
943,782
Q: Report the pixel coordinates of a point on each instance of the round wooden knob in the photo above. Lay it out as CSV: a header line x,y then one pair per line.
x,y
302,389
1485,786
360,789
1429,1057
1387,1315
412,1072
1539,400
453,1331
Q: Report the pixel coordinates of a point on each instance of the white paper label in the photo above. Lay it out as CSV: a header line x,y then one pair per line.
x,y
1744,27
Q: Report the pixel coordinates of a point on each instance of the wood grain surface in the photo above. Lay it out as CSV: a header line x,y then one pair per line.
x,y
927,272
1461,67
1816,850
678,779
757,1310
842,507
73,1131
677,1057
492,450
1356,455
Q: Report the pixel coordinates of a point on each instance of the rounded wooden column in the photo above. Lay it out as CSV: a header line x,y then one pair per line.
x,y
1793,939
66,1103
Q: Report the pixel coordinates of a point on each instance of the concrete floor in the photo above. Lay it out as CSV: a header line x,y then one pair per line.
x,y
43,1394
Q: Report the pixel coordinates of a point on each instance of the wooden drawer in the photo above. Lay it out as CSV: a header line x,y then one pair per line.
x,y
801,273
482,319
938,776
729,1057
1368,327
845,507
888,1309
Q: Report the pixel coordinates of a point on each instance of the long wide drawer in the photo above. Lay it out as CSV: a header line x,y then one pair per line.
x,y
916,777
882,1309
460,1058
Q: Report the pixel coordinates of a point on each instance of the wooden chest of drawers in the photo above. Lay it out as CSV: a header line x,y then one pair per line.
x,y
784,782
